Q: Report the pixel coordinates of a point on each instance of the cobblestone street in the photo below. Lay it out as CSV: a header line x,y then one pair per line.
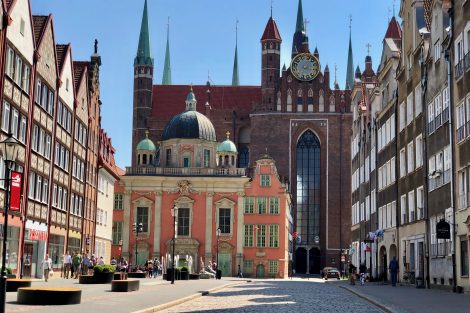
x,y
279,296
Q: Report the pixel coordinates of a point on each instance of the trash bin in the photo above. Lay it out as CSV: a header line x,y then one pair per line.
x,y
419,282
218,274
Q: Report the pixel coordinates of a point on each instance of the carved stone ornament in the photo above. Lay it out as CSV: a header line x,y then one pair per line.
x,y
184,187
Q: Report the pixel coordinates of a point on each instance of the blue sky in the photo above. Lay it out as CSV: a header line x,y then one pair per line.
x,y
202,39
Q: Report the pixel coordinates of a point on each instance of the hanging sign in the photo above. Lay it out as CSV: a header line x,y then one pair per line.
x,y
15,191
443,230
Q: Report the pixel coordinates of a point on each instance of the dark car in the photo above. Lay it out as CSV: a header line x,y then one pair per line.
x,y
330,272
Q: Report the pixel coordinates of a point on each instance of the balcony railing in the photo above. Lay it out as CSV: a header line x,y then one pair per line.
x,y
467,60
441,249
185,171
459,67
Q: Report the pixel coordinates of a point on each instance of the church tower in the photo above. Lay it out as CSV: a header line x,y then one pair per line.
x,y
300,40
143,82
270,64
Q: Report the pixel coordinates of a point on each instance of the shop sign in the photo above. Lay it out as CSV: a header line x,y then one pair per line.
x,y
37,235
15,191
443,230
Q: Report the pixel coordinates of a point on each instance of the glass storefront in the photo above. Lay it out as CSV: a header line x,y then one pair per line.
x,y
12,246
74,245
56,250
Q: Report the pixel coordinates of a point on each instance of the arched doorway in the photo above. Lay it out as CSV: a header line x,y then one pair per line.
x,y
260,271
300,260
383,264
314,261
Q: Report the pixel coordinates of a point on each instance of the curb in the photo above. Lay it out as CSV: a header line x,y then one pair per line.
x,y
369,299
185,299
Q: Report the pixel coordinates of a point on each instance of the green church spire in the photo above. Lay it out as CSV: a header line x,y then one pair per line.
x,y
144,54
299,26
350,68
235,78
166,80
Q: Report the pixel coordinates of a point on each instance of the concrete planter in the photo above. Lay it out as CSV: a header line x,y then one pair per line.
x,y
13,284
103,277
193,276
136,275
184,275
125,285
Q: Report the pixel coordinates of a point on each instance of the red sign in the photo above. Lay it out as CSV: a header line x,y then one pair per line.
x,y
37,235
294,234
15,191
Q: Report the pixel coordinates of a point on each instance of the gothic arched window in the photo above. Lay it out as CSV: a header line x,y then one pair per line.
x,y
244,157
308,187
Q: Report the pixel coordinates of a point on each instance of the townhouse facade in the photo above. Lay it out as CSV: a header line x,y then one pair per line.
x,y
45,102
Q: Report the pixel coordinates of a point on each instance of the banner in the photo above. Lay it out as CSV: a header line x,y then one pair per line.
x,y
15,191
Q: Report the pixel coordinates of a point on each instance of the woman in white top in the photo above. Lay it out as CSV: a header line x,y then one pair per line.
x,y
46,266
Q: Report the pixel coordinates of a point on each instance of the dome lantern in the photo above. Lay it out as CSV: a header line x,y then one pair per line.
x,y
146,150
227,153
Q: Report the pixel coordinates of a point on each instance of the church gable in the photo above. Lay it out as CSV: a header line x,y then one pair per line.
x,y
66,90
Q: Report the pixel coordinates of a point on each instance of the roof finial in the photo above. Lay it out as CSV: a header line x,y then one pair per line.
x,y
388,15
191,86
368,48
147,133
266,148
350,22
336,69
271,8
96,46
393,7
228,134
305,24
236,31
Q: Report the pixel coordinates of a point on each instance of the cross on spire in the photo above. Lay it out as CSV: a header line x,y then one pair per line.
x,y
305,24
368,48
228,134
271,8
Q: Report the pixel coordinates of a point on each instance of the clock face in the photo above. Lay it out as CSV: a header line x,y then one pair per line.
x,y
305,66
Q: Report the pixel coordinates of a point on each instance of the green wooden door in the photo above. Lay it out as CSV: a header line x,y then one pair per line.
x,y
225,264
260,271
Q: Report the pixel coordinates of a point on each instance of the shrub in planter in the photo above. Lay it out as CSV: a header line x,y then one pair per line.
x,y
184,273
103,274
193,276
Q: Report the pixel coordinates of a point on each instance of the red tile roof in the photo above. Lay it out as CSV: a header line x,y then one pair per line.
x,y
39,23
61,51
271,31
393,30
169,100
78,69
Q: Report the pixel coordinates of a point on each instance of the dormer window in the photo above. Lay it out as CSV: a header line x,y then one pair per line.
x,y
265,180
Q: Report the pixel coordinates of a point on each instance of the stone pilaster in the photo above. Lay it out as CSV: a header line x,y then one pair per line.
x,y
125,227
158,224
209,226
240,232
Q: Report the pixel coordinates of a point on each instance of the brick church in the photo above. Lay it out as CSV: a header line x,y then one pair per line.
x,y
295,116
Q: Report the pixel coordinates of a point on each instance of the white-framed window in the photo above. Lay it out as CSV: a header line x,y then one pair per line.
x,y
418,104
367,208
437,51
392,127
402,115
409,108
403,209
458,48
6,117
420,203
438,110
372,200
392,170
394,214
411,206
402,163
411,158
419,150
460,122
431,117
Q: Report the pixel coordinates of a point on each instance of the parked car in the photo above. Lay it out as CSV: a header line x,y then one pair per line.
x,y
330,272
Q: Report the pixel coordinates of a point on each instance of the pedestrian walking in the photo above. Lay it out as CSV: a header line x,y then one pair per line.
x,y
67,264
240,274
76,261
393,266
352,274
47,267
362,273
156,267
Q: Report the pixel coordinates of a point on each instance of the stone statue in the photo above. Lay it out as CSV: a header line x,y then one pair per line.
x,y
96,46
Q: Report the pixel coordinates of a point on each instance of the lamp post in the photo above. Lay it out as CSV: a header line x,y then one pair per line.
x,y
9,148
218,231
137,228
174,213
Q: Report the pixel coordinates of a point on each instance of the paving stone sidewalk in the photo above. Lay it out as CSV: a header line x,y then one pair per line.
x,y
99,298
277,296
407,299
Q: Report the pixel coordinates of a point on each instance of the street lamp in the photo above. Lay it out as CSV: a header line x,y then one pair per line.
x,y
174,213
137,228
9,148
218,231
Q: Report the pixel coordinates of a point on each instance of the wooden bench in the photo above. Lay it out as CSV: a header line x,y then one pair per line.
x,y
137,275
13,284
48,296
86,279
120,276
125,285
